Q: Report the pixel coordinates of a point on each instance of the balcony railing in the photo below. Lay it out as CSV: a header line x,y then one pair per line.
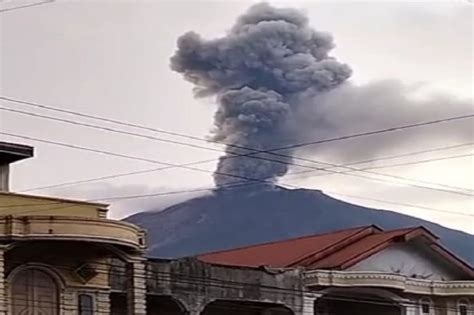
x,y
71,228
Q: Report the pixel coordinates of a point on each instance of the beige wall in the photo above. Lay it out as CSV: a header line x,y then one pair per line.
x,y
62,259
23,205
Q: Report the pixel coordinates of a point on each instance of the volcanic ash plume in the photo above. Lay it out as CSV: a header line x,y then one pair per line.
x,y
268,58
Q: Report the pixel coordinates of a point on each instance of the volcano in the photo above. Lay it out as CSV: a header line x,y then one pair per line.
x,y
249,215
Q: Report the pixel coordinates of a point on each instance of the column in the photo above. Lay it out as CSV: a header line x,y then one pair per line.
x,y
3,293
410,309
137,289
68,302
308,303
451,307
103,303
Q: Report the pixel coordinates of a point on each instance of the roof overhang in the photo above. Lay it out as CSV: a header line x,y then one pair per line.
x,y
12,152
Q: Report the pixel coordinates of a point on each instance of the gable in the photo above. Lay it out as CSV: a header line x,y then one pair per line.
x,y
411,260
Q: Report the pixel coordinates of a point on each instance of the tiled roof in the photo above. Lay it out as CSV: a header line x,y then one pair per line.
x,y
336,250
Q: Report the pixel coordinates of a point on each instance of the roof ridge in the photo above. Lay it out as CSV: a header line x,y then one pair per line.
x,y
335,245
287,240
410,228
381,244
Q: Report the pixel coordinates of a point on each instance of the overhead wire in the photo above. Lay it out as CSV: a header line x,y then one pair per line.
x,y
261,158
123,271
148,160
26,6
228,284
118,175
154,161
131,157
237,184
348,136
421,161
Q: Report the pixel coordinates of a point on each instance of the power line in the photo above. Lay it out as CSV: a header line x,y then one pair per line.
x,y
391,157
395,165
255,151
153,161
112,176
132,157
367,170
245,184
233,185
27,6
350,136
249,155
121,271
99,151
108,129
422,161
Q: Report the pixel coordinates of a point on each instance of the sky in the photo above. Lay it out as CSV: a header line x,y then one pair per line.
x,y
111,59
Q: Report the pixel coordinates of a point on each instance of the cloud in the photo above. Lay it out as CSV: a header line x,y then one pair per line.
x,y
377,105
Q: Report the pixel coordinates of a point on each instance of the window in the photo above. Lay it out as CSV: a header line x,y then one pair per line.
x,y
426,306
463,307
86,304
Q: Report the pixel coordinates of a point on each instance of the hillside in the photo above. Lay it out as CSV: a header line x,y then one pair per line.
x,y
237,217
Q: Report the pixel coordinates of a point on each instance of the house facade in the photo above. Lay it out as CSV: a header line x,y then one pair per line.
x,y
65,257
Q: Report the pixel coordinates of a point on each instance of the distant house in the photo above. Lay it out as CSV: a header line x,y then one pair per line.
x,y
368,271
64,257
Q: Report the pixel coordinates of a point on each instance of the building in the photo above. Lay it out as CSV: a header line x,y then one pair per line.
x,y
64,257
54,253
369,271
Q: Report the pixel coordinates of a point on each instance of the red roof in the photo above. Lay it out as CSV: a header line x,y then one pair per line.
x,y
283,253
361,248
337,250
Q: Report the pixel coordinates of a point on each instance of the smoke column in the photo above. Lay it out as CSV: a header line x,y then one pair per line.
x,y
257,71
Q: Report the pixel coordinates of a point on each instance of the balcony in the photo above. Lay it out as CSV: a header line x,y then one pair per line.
x,y
68,228
334,278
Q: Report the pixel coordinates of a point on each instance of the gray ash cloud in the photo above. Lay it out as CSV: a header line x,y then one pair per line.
x,y
257,72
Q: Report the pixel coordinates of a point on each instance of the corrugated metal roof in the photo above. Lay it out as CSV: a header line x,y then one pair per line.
x,y
281,254
336,250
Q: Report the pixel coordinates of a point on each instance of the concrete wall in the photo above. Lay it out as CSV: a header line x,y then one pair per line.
x,y
196,284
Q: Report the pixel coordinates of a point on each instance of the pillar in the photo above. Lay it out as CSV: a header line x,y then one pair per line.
x,y
3,293
410,309
309,300
451,307
103,303
68,300
137,289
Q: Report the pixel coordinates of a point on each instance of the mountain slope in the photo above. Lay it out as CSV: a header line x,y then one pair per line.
x,y
245,216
